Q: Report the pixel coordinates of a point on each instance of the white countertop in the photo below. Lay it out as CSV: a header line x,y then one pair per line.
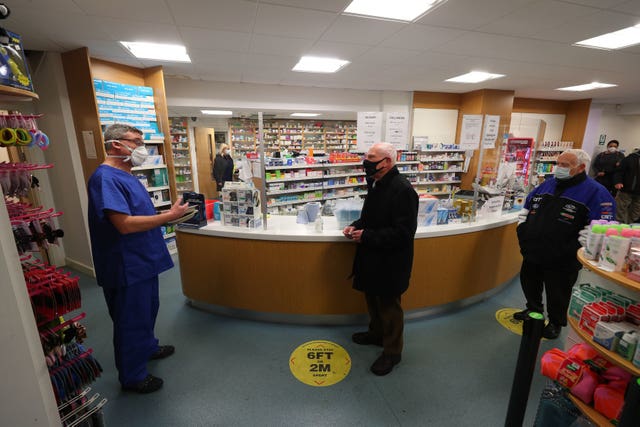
x,y
284,228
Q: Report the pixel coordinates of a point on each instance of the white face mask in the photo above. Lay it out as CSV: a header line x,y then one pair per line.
x,y
612,149
562,173
137,157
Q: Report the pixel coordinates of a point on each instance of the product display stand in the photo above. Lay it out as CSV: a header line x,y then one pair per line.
x,y
181,150
527,356
440,170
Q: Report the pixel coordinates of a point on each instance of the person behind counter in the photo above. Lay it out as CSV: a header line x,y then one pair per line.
x,y
222,167
128,254
384,255
606,164
548,230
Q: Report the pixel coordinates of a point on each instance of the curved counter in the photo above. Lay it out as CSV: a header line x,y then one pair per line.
x,y
290,273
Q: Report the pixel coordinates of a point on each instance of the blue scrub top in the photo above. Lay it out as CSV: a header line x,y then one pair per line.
x,y
122,260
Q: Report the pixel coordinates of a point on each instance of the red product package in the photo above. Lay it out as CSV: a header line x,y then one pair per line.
x,y
608,401
619,312
592,314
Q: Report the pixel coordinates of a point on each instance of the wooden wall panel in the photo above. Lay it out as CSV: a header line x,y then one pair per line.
x,y
120,73
77,71
575,123
436,100
539,106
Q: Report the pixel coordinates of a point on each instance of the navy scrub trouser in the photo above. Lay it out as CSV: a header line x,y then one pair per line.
x,y
133,310
557,284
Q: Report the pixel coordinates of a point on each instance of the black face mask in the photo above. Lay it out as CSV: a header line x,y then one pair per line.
x,y
370,168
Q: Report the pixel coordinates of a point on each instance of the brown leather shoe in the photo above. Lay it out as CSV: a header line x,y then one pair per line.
x,y
147,385
385,363
163,351
365,338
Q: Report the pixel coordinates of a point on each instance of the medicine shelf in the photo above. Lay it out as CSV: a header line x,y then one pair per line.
x,y
436,182
342,175
330,187
272,193
441,160
350,194
271,168
161,204
616,277
457,150
303,178
142,168
593,415
162,187
292,202
609,355
441,171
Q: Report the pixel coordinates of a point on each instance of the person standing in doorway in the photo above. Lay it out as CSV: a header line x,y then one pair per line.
x,y
606,164
548,231
384,256
222,167
128,254
627,182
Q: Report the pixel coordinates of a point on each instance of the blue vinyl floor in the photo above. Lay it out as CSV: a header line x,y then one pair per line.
x,y
457,370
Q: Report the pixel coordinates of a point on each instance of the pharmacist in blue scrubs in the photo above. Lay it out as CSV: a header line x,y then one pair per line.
x,y
128,254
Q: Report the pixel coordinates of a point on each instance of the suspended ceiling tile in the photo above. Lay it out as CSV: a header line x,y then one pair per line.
x,y
421,37
351,29
200,38
266,44
593,25
471,14
629,6
202,57
291,22
347,51
324,5
139,10
387,55
121,30
230,15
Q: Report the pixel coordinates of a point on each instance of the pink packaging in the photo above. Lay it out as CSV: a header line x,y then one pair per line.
x,y
591,314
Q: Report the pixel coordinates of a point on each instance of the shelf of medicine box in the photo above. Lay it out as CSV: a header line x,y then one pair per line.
x,y
607,354
436,182
412,162
161,204
355,184
343,175
433,193
305,166
150,167
593,415
273,193
441,171
459,159
180,149
293,202
552,149
617,277
545,161
452,150
162,187
303,178
342,196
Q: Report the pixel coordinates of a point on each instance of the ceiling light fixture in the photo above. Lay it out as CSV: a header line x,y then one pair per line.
x,y
474,77
399,10
316,64
589,86
305,114
217,112
615,40
161,52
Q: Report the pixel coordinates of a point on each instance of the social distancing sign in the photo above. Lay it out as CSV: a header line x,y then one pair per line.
x,y
320,363
504,316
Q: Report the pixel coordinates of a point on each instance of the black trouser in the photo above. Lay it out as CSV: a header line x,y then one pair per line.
x,y
557,284
386,321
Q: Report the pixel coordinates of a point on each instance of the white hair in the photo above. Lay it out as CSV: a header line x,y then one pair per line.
x,y
386,150
582,156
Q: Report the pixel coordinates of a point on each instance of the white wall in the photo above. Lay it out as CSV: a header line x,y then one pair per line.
x,y
67,188
525,125
438,124
615,125
260,97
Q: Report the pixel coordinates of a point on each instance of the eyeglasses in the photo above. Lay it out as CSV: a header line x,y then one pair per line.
x,y
137,141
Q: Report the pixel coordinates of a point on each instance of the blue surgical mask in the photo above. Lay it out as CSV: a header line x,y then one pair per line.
x,y
562,173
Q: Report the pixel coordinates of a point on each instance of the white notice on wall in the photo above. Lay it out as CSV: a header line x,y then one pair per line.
x,y
492,208
490,134
369,130
471,131
89,144
397,130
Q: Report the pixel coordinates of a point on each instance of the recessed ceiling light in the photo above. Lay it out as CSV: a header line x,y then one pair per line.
x,y
589,86
615,40
217,112
305,114
400,10
161,52
316,64
474,77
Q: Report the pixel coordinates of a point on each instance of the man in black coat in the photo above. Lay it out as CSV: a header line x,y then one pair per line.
x,y
627,182
384,256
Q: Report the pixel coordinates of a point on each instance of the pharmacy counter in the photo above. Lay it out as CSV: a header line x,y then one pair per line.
x,y
291,273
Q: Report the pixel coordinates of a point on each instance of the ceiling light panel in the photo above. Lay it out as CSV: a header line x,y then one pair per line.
x,y
316,64
474,77
616,40
160,52
585,87
400,10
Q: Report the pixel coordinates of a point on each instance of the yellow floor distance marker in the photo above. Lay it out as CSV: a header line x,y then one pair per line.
x,y
320,363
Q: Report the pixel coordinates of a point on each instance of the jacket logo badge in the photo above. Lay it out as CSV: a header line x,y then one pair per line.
x,y
570,208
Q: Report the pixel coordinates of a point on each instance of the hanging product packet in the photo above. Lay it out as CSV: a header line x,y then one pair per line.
x,y
595,238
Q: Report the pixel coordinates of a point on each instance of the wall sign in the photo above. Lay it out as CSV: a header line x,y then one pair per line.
x,y
369,130
490,133
397,130
471,131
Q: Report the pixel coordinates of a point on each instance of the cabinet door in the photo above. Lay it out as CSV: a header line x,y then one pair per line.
x,y
205,154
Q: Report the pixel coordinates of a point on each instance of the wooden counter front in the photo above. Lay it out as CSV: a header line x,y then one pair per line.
x,y
311,277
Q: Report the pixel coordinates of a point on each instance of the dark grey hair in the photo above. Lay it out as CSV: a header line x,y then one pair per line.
x,y
117,131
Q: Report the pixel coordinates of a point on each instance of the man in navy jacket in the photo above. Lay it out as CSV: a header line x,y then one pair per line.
x,y
384,256
550,223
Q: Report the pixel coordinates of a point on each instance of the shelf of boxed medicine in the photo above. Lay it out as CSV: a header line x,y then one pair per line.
x,y
616,277
593,415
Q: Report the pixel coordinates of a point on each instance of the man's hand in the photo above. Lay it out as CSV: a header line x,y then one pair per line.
x,y
600,174
356,235
348,231
619,186
178,209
